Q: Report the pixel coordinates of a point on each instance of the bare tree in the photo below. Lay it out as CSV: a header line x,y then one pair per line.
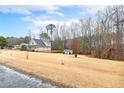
x,y
75,35
86,26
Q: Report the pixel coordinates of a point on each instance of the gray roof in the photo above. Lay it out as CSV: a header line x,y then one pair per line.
x,y
39,42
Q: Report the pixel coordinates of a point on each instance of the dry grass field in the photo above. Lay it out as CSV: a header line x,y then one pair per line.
x,y
63,69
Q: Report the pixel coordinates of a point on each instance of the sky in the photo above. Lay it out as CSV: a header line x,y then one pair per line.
x,y
17,20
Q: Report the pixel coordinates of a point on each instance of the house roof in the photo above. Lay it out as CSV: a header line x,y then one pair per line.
x,y
40,42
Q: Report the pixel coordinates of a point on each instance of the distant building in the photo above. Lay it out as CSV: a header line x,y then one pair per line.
x,y
40,45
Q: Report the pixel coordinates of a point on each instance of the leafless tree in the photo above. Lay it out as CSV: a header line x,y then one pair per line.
x,y
75,35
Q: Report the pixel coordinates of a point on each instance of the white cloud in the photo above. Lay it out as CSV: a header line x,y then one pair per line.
x,y
57,13
37,25
28,9
94,9
14,9
41,21
85,11
27,18
50,8
2,34
44,22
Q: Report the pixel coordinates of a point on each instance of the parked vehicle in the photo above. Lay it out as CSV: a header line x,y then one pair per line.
x,y
68,51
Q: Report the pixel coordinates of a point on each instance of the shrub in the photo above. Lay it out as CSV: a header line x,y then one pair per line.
x,y
23,47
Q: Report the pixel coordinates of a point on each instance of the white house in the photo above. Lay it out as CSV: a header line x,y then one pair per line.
x,y
40,45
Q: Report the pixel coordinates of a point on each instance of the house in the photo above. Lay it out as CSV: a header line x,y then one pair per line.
x,y
39,45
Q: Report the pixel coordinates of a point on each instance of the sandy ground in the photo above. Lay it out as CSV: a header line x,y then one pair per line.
x,y
83,71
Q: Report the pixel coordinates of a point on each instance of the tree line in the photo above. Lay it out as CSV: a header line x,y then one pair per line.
x,y
9,42
101,36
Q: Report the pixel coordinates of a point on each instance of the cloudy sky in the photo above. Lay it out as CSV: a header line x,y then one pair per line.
x,y
17,20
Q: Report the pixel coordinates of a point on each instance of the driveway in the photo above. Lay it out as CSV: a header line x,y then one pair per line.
x,y
12,79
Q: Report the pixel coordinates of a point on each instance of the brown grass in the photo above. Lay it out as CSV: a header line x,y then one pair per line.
x,y
83,71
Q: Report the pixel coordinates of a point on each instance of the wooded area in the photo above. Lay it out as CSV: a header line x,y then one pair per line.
x,y
102,36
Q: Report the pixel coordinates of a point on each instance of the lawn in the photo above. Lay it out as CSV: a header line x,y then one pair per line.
x,y
66,70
